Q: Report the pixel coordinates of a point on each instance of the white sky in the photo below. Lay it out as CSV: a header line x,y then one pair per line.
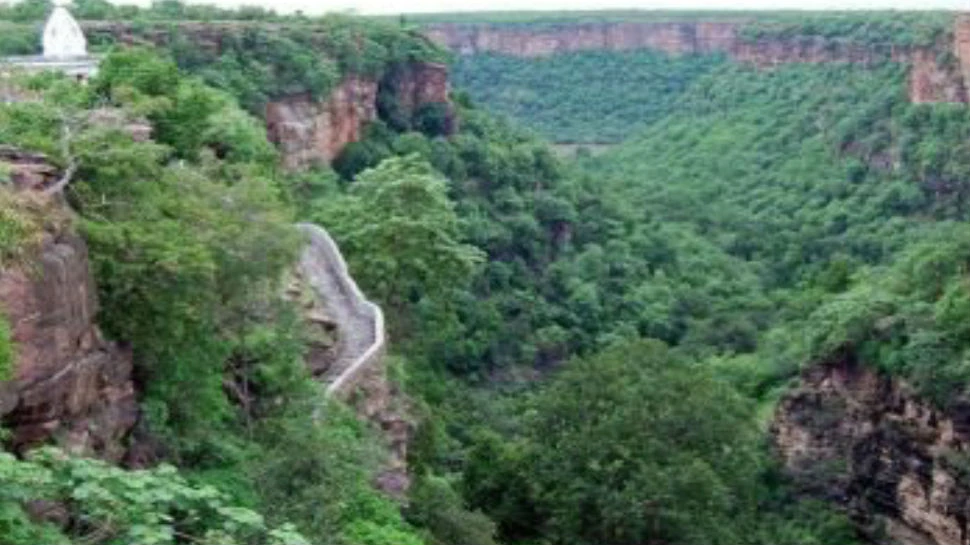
x,y
413,6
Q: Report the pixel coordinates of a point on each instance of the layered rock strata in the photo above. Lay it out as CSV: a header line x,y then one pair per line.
x,y
70,386
899,465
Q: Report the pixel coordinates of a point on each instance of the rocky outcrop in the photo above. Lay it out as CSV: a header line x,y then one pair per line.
x,y
850,435
416,85
27,170
361,337
380,400
938,74
539,41
69,385
351,359
309,132
931,82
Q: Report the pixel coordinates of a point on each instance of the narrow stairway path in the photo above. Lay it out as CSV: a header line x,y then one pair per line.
x,y
360,323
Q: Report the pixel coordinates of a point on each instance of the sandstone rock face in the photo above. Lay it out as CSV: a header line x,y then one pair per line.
x,y
308,132
849,435
70,385
417,84
931,82
930,79
27,170
672,38
381,402
319,326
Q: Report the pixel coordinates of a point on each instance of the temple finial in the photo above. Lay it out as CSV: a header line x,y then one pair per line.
x,y
63,38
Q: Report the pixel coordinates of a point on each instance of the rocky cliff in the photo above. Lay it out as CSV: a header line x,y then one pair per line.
x,y
309,132
899,466
938,74
348,350
69,385
528,41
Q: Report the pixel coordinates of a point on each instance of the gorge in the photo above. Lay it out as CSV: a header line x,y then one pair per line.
x,y
304,286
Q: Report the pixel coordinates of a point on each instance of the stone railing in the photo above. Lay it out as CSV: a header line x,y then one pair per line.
x,y
360,322
81,67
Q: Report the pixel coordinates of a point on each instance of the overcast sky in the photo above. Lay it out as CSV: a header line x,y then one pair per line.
x,y
411,6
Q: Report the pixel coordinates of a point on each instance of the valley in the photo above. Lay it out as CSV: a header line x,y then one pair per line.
x,y
592,278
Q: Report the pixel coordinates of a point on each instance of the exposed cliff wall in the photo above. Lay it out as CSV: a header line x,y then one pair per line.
x,y
416,85
308,132
69,385
938,74
523,41
382,402
850,435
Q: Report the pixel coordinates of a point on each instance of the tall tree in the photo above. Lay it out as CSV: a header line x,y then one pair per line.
x,y
401,233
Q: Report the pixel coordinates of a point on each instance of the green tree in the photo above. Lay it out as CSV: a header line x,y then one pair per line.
x,y
634,446
401,233
106,505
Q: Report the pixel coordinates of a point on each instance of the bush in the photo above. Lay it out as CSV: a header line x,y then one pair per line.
x,y
7,351
106,505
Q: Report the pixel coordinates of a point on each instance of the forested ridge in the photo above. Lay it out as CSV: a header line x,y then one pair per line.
x,y
592,350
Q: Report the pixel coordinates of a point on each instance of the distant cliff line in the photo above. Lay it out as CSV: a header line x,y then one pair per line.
x,y
939,73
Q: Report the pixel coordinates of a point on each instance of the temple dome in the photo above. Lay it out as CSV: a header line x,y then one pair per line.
x,y
63,37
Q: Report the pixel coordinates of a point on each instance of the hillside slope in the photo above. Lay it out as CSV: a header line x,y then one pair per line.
x,y
610,68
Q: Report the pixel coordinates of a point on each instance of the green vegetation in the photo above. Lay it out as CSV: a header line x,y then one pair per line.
x,y
415,248
8,351
189,236
258,63
581,260
623,447
590,348
908,319
588,97
747,228
18,39
109,505
877,31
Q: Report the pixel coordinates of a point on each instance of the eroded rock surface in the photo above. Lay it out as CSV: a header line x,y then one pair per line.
x,y
937,74
26,170
308,132
868,442
349,358
418,84
529,41
70,385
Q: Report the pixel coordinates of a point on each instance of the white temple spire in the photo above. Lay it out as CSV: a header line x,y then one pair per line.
x,y
63,37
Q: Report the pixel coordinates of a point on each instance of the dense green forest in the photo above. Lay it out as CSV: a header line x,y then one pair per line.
x,y
591,349
607,96
588,97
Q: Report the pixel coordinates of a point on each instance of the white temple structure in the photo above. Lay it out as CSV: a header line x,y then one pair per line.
x,y
65,48
63,37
